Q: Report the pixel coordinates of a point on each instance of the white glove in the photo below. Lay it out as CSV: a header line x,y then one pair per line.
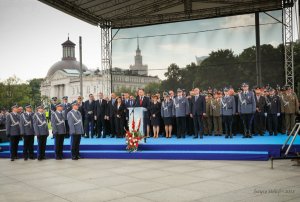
x,y
265,114
278,114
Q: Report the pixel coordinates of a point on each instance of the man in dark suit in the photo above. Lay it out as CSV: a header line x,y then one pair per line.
x,y
100,112
110,115
143,101
128,103
89,108
198,110
259,117
273,109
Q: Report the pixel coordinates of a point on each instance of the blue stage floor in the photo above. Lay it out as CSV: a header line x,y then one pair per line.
x,y
236,140
210,147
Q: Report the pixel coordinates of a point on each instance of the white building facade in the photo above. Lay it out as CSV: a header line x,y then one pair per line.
x,y
63,78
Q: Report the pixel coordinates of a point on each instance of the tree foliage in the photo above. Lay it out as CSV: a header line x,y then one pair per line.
x,y
13,90
224,68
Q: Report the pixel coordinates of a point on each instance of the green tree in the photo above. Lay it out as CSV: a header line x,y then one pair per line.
x,y
153,88
34,91
173,76
219,69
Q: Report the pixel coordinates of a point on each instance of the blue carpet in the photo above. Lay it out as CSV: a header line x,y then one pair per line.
x,y
236,140
208,148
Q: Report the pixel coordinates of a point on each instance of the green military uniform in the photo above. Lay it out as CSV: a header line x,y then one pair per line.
x,y
207,119
215,111
289,106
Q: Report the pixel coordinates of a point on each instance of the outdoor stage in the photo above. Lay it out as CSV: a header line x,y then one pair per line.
x,y
209,148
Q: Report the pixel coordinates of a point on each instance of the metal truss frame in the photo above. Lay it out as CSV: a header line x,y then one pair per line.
x,y
288,42
106,58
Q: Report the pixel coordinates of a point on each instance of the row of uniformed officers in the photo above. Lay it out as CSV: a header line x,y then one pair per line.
x,y
199,113
258,110
28,125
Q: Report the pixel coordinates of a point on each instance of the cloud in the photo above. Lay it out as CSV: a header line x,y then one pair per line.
x,y
274,43
184,49
240,20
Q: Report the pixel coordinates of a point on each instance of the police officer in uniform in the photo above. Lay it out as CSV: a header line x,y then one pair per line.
x,y
180,109
13,131
27,131
41,131
207,119
76,130
227,111
290,107
215,111
52,108
66,108
246,109
167,115
58,130
272,111
198,110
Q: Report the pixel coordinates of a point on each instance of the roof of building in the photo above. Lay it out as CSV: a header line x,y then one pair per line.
x,y
66,65
68,43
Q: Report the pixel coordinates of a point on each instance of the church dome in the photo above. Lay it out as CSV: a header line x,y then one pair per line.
x,y
68,60
65,64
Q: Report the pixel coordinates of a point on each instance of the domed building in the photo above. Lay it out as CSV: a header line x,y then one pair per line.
x,y
63,77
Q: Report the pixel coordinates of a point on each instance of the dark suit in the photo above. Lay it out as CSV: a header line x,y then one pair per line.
x,y
82,111
128,103
100,112
111,114
145,102
259,117
197,109
120,113
273,107
89,108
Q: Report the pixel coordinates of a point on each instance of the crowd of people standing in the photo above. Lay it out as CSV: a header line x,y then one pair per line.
x,y
197,113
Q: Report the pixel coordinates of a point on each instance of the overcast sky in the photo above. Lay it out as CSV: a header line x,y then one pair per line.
x,y
31,34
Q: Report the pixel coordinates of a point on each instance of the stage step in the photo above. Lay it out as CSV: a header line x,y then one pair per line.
x,y
187,155
273,150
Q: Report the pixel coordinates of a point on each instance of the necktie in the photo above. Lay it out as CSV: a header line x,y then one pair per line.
x,y
100,101
141,101
196,98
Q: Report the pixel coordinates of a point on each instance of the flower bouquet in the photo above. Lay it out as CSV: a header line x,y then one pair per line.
x,y
133,137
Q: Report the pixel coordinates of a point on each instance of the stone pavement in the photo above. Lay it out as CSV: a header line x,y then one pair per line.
x,y
148,180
